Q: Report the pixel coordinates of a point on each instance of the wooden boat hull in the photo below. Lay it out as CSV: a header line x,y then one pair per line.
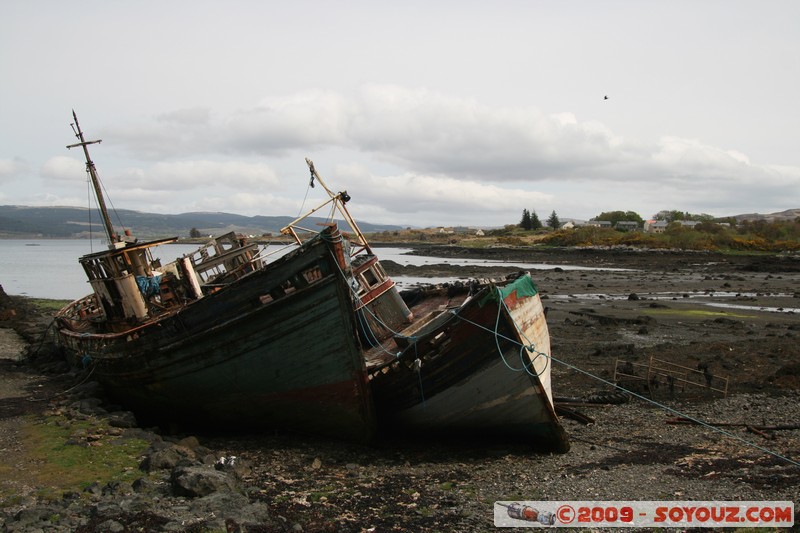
x,y
469,374
230,360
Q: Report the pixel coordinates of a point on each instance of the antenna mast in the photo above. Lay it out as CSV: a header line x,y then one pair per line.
x,y
112,237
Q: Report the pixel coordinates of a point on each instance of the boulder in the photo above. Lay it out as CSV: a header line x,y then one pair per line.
x,y
200,480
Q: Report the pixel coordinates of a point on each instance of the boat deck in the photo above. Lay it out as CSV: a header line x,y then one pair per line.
x,y
426,305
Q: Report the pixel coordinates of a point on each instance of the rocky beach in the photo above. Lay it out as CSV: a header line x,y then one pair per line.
x,y
72,461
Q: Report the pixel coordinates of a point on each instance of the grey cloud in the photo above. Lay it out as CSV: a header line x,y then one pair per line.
x,y
453,140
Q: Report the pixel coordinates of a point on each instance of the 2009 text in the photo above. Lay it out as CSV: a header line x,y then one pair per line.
x,y
605,514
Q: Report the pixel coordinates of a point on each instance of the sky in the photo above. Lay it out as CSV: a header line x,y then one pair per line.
x,y
429,113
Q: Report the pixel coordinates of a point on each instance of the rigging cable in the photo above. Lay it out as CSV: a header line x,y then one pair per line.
x,y
303,205
113,208
89,205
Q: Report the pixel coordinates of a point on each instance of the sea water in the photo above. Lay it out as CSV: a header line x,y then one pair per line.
x,y
49,268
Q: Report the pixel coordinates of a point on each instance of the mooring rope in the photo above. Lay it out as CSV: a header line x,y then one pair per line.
x,y
364,323
679,413
530,347
654,402
44,336
67,391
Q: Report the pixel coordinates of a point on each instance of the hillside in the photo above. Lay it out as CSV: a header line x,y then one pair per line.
x,y
24,222
783,216
75,222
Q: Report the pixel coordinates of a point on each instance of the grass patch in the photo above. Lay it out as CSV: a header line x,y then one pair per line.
x,y
46,305
426,511
317,496
326,492
476,243
75,455
468,490
701,313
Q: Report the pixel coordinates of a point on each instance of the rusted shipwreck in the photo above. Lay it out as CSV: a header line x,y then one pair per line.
x,y
474,366
317,341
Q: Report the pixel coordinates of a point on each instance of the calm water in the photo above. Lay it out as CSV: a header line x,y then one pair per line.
x,y
49,268
46,268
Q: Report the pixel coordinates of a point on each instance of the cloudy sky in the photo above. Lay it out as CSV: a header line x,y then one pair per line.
x,y
427,112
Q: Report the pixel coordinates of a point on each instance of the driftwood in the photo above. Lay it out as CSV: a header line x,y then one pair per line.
x,y
568,412
757,431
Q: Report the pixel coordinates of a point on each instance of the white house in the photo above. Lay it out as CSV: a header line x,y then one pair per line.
x,y
657,226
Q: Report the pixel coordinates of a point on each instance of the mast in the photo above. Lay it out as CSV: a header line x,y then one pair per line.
x,y
339,200
112,237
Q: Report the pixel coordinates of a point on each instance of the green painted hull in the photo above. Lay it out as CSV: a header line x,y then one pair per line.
x,y
230,360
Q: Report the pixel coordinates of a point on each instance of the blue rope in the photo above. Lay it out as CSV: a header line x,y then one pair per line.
x,y
598,378
530,347
650,400
366,327
679,413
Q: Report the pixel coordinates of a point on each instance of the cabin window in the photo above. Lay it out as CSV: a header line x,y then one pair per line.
x,y
121,264
380,273
363,286
95,270
369,278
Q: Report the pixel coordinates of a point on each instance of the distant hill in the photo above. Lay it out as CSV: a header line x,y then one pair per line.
x,y
18,222
785,216
76,222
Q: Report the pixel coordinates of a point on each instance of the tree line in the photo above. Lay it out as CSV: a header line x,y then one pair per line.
x,y
710,233
530,221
